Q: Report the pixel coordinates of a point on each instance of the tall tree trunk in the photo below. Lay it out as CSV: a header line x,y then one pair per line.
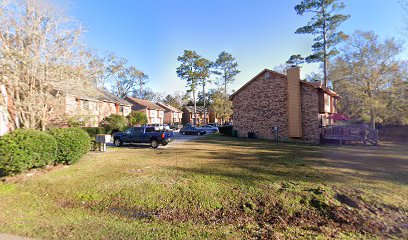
x,y
225,88
372,112
195,107
324,46
372,117
205,111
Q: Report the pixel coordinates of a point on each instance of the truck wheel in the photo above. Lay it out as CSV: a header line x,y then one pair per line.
x,y
154,143
117,142
164,144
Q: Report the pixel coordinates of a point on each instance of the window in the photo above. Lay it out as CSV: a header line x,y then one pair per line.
x,y
93,106
85,105
150,129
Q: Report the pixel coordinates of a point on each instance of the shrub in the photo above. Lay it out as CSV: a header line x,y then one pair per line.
x,y
73,143
93,131
226,130
24,149
116,122
137,118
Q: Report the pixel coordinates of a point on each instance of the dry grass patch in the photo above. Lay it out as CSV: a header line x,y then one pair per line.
x,y
216,187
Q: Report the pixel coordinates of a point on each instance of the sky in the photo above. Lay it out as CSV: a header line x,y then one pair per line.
x,y
151,34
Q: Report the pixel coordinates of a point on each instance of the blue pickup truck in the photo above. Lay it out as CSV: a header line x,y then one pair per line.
x,y
143,135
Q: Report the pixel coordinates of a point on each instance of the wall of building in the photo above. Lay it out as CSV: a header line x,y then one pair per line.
x,y
171,117
155,116
310,114
260,106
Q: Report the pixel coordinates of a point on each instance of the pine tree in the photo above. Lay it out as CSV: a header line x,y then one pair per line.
x,y
323,25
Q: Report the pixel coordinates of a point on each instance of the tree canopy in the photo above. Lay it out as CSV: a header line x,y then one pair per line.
x,y
323,25
371,79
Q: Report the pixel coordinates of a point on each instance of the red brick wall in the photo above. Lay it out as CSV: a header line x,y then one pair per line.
x,y
310,114
260,106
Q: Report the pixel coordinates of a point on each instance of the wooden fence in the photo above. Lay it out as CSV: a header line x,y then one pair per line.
x,y
361,133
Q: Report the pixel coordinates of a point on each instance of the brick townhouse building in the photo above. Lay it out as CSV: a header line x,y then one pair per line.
x,y
296,107
188,115
90,105
172,115
154,113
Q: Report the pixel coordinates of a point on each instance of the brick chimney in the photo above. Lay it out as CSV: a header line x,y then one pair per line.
x,y
294,103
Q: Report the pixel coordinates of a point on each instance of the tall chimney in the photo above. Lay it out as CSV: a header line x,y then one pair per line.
x,y
294,103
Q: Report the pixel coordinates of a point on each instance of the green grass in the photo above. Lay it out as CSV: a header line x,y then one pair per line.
x,y
217,187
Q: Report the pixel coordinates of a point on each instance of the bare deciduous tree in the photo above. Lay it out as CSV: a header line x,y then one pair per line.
x,y
40,54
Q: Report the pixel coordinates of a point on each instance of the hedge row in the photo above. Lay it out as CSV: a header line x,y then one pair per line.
x,y
24,149
73,143
226,130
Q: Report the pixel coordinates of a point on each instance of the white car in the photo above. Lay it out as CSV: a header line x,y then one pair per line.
x,y
209,128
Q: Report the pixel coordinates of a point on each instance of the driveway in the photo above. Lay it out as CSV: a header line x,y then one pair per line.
x,y
180,138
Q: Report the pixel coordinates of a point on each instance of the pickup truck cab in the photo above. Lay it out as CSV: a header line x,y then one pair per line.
x,y
143,135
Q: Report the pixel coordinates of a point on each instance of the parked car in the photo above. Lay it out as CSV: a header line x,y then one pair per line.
x,y
176,126
209,128
145,134
192,130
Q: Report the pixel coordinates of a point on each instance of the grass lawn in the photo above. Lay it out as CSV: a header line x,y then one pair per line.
x,y
217,187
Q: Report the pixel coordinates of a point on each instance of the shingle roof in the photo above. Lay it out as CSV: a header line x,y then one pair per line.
x,y
90,93
198,108
169,107
315,85
145,103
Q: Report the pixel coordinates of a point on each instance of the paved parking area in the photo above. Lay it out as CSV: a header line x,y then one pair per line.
x,y
180,138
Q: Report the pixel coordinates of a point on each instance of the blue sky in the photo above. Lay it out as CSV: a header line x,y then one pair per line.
x,y
259,33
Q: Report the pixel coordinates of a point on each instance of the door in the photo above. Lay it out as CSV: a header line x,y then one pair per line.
x,y
137,135
148,132
128,135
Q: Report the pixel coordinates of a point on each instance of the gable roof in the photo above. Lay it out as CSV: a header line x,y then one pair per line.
x,y
169,107
198,108
91,93
146,103
315,85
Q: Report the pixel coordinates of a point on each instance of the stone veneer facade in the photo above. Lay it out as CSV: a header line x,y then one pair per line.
x,y
262,104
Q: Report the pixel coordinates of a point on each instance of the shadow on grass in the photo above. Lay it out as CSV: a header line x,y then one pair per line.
x,y
250,161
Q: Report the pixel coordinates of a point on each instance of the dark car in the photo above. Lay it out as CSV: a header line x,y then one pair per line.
x,y
192,130
143,135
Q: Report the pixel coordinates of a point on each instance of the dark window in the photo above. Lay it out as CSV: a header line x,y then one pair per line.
x,y
150,129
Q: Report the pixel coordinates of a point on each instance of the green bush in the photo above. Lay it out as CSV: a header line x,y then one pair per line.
x,y
93,131
73,143
137,118
226,130
116,122
24,149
